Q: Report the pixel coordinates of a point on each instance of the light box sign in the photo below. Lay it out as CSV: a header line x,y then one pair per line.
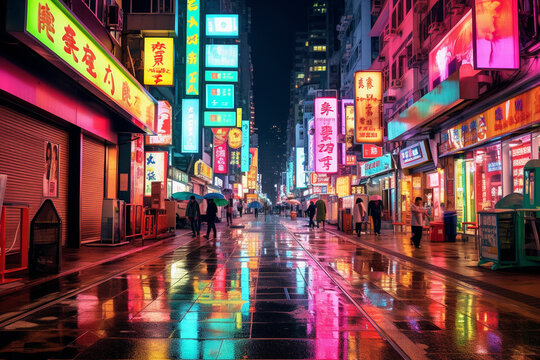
x,y
239,117
222,25
253,169
219,96
319,179
370,151
244,155
164,126
496,34
203,171
311,145
414,155
220,76
221,56
350,160
300,169
343,186
192,47
326,133
235,138
220,150
376,166
347,118
73,48
368,101
453,50
190,126
155,170
219,118
158,61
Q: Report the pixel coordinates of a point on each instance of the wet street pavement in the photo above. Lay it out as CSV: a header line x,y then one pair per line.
x,y
275,290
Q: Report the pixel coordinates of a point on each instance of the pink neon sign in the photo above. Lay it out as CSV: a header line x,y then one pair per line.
x,y
326,134
496,34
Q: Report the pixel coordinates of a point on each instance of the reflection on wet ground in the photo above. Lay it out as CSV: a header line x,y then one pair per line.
x,y
253,294
428,315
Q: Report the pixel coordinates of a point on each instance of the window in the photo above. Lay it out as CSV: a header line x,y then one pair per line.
x,y
408,4
319,48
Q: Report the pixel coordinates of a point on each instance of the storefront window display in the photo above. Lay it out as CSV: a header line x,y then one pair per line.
x,y
433,196
465,169
489,188
520,153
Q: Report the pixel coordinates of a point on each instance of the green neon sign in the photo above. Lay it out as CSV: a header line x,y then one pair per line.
x,y
221,76
55,28
219,118
192,47
219,96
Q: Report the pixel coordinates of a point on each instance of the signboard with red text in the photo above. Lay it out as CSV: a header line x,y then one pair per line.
x,y
158,61
326,135
370,151
368,101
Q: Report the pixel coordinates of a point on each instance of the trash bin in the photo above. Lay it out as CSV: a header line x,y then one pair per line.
x,y
450,226
347,223
437,231
45,236
293,215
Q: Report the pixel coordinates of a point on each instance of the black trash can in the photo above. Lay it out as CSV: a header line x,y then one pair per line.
x,y
45,237
450,226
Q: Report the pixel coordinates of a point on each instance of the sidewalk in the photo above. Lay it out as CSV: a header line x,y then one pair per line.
x,y
458,260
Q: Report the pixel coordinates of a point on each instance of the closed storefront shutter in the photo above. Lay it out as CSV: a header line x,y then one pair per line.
x,y
23,159
92,188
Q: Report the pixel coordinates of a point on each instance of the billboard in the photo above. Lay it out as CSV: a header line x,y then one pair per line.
x,y
164,126
190,126
219,118
221,76
496,34
219,96
192,47
347,119
368,101
222,25
221,56
155,170
326,135
158,61
244,156
300,168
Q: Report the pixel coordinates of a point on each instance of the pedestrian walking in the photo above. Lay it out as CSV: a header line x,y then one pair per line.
x,y
256,212
229,210
193,212
418,215
240,207
359,214
211,212
311,213
375,209
321,212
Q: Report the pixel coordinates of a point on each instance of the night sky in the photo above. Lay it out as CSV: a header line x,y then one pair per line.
x,y
273,27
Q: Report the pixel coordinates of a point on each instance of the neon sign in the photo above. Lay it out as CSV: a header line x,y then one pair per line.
x,y
190,126
326,154
158,61
368,101
192,47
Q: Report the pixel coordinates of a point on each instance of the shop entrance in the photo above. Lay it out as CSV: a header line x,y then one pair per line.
x,y
465,191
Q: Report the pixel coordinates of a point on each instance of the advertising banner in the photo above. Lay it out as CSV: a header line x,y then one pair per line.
x,y
220,150
222,25
190,126
347,118
319,179
253,169
192,47
221,56
219,96
326,134
300,168
368,101
155,170
164,126
158,61
311,145
52,165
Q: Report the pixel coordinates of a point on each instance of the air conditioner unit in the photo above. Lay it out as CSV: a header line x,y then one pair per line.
x,y
376,7
435,27
395,83
415,61
420,6
115,17
389,99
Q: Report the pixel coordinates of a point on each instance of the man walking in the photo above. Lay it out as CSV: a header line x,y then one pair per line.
x,y
417,221
321,212
240,207
311,214
211,212
375,209
229,210
193,212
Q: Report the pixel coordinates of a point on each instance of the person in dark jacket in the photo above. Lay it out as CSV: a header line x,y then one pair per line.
x,y
375,208
211,212
311,213
193,212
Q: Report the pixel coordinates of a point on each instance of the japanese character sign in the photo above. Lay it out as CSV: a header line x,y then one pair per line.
x,y
326,135
368,102
158,61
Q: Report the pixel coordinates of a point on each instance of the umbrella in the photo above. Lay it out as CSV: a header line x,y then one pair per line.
x,y
214,196
375,197
254,205
293,202
185,195
220,202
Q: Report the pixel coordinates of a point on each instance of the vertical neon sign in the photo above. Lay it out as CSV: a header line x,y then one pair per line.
x,y
326,131
192,47
311,145
190,126
244,161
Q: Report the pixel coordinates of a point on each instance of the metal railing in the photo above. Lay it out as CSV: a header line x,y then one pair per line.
x,y
22,232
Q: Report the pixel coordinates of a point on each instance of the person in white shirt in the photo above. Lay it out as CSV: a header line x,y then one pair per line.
x,y
418,213
359,213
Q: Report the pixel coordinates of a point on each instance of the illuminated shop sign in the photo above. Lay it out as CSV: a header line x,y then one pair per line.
x,y
192,47
414,155
221,56
158,61
235,138
219,118
239,117
220,76
164,126
343,186
155,170
300,169
371,151
347,119
326,152
71,47
319,179
219,96
368,101
311,145
220,150
253,169
203,171
244,155
350,160
190,125
376,166
496,34
222,25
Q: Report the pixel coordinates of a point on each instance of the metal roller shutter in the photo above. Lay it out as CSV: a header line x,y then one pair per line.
x,y
22,158
92,189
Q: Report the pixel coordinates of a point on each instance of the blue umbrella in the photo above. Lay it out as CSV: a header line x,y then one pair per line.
x,y
254,205
214,196
185,195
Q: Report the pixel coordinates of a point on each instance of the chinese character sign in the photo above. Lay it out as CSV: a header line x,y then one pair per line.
x,y
164,126
253,169
220,150
300,168
311,145
326,152
190,126
244,155
368,102
192,47
343,186
53,26
158,61
347,119
155,169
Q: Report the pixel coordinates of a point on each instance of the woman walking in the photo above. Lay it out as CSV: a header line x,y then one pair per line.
x,y
359,214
